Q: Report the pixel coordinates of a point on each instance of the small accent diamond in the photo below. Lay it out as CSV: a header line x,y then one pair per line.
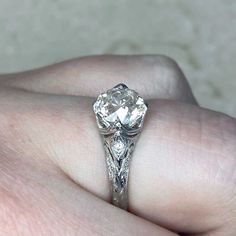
x,y
118,146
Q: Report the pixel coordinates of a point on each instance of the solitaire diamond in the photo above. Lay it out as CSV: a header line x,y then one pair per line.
x,y
120,106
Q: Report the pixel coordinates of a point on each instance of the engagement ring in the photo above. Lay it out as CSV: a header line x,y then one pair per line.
x,y
120,114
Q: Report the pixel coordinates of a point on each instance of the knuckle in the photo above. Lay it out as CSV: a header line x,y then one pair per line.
x,y
169,66
167,70
167,73
227,126
170,62
165,79
173,72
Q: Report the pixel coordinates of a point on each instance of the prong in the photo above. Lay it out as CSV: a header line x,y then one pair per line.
x,y
147,105
121,86
118,125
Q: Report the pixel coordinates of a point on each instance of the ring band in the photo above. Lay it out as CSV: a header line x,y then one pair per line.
x,y
120,114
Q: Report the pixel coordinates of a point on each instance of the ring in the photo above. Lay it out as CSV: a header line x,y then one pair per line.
x,y
120,114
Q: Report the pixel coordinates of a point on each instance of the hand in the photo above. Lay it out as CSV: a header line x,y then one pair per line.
x,y
53,178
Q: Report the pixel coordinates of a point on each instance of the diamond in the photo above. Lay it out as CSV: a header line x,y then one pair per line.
x,y
118,146
120,105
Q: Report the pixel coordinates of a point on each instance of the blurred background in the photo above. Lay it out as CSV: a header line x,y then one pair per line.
x,y
199,35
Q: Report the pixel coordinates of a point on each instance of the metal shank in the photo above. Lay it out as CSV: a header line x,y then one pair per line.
x,y
118,149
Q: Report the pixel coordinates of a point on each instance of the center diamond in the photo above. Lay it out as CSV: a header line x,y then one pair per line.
x,y
120,106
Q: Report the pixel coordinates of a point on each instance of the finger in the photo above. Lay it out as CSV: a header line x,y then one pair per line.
x,y
182,171
152,76
38,200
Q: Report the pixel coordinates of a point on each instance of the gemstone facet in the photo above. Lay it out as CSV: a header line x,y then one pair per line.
x,y
120,106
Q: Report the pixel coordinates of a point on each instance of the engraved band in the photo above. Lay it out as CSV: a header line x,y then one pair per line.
x,y
119,149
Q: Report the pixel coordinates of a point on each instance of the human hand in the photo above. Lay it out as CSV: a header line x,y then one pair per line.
x,y
53,178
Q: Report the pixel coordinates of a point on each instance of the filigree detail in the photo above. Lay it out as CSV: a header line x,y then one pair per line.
x,y
118,166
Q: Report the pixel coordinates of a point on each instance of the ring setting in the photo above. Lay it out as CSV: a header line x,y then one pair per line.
x,y
120,114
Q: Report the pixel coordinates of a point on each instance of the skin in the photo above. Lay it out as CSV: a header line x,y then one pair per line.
x,y
53,177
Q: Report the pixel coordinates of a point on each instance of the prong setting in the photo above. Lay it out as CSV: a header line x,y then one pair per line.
x,y
120,107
